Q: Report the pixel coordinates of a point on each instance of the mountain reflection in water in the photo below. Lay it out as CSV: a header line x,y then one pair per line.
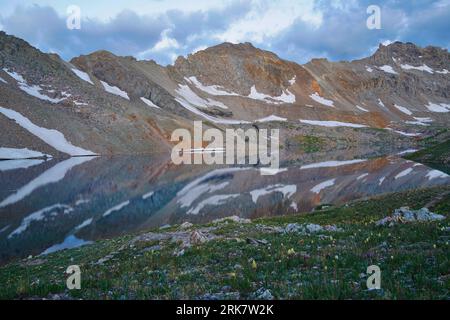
x,y
47,206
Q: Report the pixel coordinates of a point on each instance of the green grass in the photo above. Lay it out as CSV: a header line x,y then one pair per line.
x,y
414,260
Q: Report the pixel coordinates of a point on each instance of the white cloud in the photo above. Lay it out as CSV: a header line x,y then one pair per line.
x,y
166,42
269,18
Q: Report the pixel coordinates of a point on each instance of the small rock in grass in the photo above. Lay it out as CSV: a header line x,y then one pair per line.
x,y
405,215
292,228
263,294
333,228
197,237
313,228
257,241
186,225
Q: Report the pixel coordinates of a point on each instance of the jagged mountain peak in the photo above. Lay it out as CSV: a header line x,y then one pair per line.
x,y
409,53
238,67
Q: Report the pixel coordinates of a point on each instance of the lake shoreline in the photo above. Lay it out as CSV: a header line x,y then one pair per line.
x,y
257,260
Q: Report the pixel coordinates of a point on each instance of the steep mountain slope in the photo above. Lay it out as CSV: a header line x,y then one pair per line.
x,y
104,104
54,95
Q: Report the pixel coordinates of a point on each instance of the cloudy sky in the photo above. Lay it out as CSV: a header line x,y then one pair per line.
x,y
297,30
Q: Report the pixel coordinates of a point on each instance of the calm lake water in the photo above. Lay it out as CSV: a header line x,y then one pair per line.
x,y
47,206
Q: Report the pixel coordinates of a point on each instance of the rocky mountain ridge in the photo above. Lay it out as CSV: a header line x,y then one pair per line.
x,y
108,105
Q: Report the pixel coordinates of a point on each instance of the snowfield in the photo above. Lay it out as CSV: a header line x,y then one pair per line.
x,y
52,137
333,124
420,121
403,109
388,69
287,98
362,109
439,108
381,104
292,81
406,134
212,90
212,201
423,67
82,75
32,90
116,208
272,118
287,191
190,101
149,103
115,90
316,97
444,71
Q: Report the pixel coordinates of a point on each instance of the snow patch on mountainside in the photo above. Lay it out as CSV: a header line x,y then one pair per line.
x,y
190,101
3,80
287,191
212,201
116,208
286,97
32,90
444,71
192,98
212,90
333,124
420,121
439,108
292,81
388,69
115,90
406,134
316,97
381,104
362,109
82,75
52,137
149,103
403,109
272,118
423,67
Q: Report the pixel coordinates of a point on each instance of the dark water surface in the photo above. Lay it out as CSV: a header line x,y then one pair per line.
x,y
47,206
